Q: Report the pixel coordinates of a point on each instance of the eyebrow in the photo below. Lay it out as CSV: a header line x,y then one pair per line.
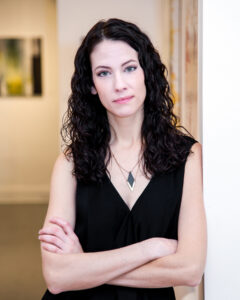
x,y
106,67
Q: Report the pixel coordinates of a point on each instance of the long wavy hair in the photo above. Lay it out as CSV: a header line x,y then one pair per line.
x,y
86,132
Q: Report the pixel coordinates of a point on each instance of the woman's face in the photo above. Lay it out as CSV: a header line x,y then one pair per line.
x,y
118,78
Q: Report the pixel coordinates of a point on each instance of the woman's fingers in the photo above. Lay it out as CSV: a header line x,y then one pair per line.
x,y
51,248
53,236
61,235
51,239
66,227
53,230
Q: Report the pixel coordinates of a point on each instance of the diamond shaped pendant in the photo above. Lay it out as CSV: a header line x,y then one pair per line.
x,y
130,181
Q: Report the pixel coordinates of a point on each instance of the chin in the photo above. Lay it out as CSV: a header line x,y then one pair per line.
x,y
124,114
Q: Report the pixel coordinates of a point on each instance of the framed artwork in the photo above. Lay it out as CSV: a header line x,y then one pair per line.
x,y
20,67
190,65
184,62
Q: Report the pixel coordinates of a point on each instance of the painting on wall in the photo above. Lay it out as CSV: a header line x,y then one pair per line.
x,y
175,61
184,62
190,62
20,67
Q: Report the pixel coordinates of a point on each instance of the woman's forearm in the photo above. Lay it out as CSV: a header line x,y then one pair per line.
x,y
172,270
64,272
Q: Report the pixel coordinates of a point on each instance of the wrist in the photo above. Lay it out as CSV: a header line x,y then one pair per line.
x,y
157,247
166,246
150,248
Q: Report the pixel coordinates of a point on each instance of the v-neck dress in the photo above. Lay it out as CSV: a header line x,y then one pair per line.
x,y
105,222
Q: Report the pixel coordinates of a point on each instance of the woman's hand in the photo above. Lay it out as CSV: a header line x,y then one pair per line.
x,y
160,247
59,237
168,246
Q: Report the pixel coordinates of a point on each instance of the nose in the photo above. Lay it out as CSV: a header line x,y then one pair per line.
x,y
119,82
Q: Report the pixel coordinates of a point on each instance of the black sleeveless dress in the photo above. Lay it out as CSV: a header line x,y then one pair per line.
x,y
104,222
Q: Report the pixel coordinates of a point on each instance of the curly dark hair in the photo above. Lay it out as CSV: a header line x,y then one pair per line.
x,y
86,131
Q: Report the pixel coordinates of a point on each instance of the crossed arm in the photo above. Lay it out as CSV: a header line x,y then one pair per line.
x,y
153,263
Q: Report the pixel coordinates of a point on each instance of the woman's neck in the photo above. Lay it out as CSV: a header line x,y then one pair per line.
x,y
125,131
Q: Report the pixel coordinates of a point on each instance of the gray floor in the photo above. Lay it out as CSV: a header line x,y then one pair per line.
x,y
20,259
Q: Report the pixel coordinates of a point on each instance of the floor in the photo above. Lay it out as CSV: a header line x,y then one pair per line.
x,y
20,259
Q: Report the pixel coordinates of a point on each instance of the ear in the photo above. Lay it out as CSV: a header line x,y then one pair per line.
x,y
93,90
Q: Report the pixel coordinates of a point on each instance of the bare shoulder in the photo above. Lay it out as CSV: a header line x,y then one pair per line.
x,y
196,147
64,161
62,190
62,174
196,151
194,159
193,167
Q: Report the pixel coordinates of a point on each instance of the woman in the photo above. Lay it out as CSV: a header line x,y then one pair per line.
x,y
126,216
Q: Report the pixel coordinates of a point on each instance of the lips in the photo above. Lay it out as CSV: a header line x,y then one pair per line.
x,y
123,99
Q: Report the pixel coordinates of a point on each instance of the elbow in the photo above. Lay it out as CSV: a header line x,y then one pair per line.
x,y
53,282
53,273
53,289
194,277
56,283
194,282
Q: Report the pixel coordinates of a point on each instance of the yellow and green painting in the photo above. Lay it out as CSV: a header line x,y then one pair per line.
x,y
20,67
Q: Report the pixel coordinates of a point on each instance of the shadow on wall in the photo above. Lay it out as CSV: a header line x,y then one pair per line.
x,y
189,293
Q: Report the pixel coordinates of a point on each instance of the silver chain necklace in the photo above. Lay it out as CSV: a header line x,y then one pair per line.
x,y
130,179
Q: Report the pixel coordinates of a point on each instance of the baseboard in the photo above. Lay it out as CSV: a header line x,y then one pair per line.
x,y
19,194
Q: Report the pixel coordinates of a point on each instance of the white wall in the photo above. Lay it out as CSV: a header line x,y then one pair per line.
x,y
29,126
221,146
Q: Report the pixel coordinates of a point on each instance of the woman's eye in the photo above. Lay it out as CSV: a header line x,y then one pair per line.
x,y
103,73
131,68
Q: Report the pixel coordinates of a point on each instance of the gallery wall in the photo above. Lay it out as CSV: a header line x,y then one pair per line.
x,y
29,125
